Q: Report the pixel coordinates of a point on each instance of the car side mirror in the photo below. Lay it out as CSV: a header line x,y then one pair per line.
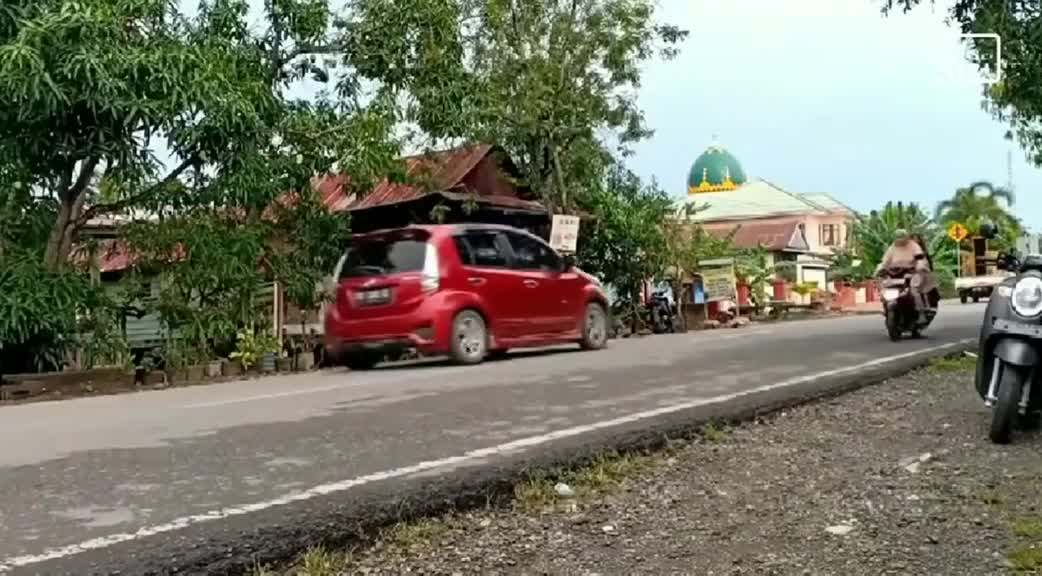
x,y
567,262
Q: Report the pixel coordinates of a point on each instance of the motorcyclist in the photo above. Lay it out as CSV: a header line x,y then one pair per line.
x,y
930,290
905,252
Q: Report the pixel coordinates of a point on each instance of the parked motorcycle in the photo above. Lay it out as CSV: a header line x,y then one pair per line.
x,y
664,315
1010,347
902,314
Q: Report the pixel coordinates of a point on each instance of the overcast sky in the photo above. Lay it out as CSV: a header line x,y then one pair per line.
x,y
827,96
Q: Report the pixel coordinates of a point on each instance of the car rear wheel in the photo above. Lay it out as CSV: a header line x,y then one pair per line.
x,y
595,327
469,338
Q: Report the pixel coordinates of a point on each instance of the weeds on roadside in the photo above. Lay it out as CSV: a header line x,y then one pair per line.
x,y
420,533
316,561
602,475
951,364
715,432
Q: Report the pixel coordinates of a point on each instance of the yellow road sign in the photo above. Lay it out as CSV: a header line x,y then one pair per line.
x,y
957,232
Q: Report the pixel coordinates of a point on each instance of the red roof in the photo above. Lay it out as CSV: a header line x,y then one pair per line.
x,y
113,255
444,172
773,235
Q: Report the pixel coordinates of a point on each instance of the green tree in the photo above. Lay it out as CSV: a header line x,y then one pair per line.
x,y
93,90
546,80
872,234
978,203
1016,99
624,241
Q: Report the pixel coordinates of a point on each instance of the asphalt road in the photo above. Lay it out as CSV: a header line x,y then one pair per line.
x,y
87,485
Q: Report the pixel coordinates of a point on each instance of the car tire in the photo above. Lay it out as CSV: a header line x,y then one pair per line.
x,y
359,361
469,338
594,327
963,297
500,354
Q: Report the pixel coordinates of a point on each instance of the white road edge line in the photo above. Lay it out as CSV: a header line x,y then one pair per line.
x,y
469,457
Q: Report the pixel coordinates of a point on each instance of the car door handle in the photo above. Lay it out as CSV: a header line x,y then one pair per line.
x,y
476,280
531,283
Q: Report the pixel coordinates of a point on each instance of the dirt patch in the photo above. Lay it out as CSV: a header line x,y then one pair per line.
x,y
897,478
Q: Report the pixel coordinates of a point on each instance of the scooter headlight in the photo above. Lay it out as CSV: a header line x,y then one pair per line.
x,y
1027,296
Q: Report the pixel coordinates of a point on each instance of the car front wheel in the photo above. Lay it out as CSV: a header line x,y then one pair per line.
x,y
595,327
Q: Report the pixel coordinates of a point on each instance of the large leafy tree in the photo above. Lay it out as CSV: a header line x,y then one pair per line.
x,y
133,107
978,203
545,79
873,233
94,88
1016,99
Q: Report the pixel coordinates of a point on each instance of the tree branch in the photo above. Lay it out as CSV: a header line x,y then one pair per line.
x,y
111,207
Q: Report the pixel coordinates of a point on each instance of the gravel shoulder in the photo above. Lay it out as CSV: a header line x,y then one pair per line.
x,y
897,478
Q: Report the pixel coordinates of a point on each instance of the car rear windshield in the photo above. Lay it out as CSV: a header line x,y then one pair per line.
x,y
380,255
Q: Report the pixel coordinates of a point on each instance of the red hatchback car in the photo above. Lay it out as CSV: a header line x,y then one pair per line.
x,y
465,290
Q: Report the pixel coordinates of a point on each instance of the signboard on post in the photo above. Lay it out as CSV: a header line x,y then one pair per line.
x,y
564,233
718,279
957,232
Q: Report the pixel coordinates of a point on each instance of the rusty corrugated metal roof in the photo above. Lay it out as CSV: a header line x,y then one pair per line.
x,y
443,171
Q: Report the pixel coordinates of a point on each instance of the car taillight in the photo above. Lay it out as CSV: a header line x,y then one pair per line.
x,y
431,276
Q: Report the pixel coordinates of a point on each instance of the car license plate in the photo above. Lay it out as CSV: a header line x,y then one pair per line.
x,y
371,297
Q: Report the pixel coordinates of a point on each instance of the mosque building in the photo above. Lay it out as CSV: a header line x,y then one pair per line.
x,y
805,228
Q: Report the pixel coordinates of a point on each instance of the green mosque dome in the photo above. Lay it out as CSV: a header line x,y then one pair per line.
x,y
714,171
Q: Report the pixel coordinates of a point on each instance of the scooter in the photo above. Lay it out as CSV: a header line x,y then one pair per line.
x,y
902,315
1010,348
663,314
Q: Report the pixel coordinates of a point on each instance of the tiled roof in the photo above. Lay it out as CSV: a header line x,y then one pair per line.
x,y
775,235
760,199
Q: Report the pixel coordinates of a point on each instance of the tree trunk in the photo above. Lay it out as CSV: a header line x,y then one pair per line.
x,y
53,258
72,195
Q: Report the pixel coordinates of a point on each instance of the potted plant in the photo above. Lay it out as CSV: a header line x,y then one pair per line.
x,y
268,347
247,351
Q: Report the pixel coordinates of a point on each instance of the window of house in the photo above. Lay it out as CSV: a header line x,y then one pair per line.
x,y
829,234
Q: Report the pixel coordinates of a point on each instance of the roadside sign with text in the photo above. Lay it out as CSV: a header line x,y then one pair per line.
x,y
564,233
718,279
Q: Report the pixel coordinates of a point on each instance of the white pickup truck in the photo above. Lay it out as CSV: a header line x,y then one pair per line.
x,y
977,287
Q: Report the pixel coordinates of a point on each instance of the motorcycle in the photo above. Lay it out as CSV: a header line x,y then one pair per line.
x,y
1010,349
664,316
902,314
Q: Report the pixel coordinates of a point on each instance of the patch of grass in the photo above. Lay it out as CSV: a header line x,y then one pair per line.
x,y
952,364
316,561
1028,528
1027,558
715,432
420,533
601,476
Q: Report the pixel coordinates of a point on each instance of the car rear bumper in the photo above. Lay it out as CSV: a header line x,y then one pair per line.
x,y
416,330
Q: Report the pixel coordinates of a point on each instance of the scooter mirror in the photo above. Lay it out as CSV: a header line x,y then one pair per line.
x,y
989,230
